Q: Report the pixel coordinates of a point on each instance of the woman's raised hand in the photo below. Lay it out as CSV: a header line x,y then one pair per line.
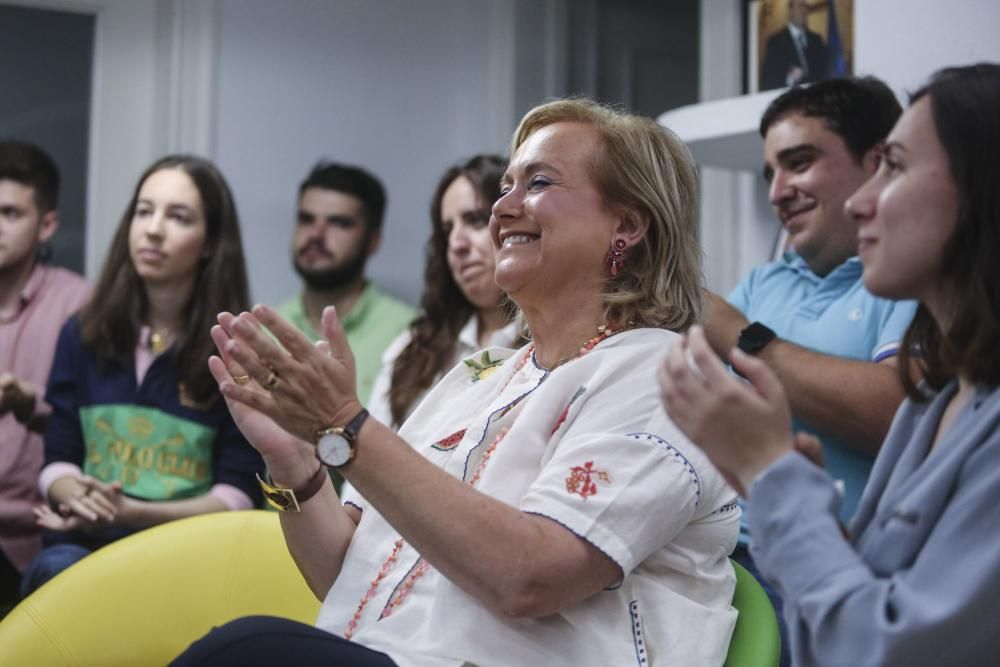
x,y
743,428
281,388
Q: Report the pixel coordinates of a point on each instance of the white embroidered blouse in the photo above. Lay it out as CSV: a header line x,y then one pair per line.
x,y
589,447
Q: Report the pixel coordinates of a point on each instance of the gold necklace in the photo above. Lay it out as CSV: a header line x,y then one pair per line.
x,y
159,340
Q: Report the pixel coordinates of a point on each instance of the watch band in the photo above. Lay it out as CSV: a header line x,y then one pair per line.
x,y
291,500
350,431
353,426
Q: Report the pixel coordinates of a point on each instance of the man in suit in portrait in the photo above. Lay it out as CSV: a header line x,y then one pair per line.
x,y
794,54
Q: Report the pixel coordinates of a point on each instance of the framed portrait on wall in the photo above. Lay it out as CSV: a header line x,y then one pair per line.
x,y
797,41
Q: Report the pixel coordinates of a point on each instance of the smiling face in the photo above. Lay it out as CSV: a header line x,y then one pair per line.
x,y
168,232
811,174
551,226
471,258
907,213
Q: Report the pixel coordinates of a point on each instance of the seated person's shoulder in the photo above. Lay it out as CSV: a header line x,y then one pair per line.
x,y
390,312
787,267
643,342
396,347
770,281
388,304
69,288
69,332
69,278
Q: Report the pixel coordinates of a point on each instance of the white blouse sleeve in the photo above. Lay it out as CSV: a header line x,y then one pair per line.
x,y
626,482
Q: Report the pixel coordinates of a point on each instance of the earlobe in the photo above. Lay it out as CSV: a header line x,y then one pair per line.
x,y
632,226
47,226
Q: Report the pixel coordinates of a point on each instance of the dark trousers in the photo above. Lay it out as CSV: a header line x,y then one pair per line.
x,y
268,641
10,585
742,556
49,562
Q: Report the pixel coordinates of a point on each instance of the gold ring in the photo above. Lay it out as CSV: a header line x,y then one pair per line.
x,y
241,379
271,382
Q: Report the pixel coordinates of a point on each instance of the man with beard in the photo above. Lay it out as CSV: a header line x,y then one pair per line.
x,y
808,316
338,227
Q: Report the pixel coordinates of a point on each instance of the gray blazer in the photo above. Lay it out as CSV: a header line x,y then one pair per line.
x,y
918,583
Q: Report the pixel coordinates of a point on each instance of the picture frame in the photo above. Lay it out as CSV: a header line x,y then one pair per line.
x,y
824,49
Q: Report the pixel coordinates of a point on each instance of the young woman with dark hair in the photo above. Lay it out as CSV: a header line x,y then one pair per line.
x,y
138,433
919,569
462,309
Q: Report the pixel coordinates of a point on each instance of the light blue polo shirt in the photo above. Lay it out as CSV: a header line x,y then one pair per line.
x,y
834,315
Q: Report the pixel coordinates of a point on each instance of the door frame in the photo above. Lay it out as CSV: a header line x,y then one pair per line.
x,y
152,92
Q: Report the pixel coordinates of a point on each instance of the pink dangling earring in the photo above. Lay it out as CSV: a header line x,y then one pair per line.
x,y
616,256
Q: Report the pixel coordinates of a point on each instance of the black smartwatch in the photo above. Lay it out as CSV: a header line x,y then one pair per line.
x,y
755,338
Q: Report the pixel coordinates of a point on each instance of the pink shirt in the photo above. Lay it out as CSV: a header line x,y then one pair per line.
x,y
27,344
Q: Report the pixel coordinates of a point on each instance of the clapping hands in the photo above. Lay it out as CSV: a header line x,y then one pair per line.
x,y
280,387
92,504
742,427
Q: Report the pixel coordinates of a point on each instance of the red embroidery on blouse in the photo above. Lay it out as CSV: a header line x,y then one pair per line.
x,y
565,412
445,444
562,418
583,479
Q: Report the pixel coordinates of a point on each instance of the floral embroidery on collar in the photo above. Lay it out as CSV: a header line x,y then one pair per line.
x,y
583,479
449,443
483,368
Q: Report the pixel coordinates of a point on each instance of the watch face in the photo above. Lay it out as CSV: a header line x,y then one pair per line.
x,y
753,338
333,449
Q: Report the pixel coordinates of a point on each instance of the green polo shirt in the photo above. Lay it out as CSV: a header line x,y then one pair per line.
x,y
374,322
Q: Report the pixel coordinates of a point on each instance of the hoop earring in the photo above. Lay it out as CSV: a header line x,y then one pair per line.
x,y
616,256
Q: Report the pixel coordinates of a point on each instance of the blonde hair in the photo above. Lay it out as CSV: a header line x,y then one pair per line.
x,y
645,170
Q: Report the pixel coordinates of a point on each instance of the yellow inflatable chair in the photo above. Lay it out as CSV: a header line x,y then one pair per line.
x,y
144,599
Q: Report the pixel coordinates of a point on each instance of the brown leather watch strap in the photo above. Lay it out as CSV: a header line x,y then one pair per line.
x,y
290,500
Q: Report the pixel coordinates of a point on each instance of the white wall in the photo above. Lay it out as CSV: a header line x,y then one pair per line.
x,y
402,88
266,88
405,87
904,41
